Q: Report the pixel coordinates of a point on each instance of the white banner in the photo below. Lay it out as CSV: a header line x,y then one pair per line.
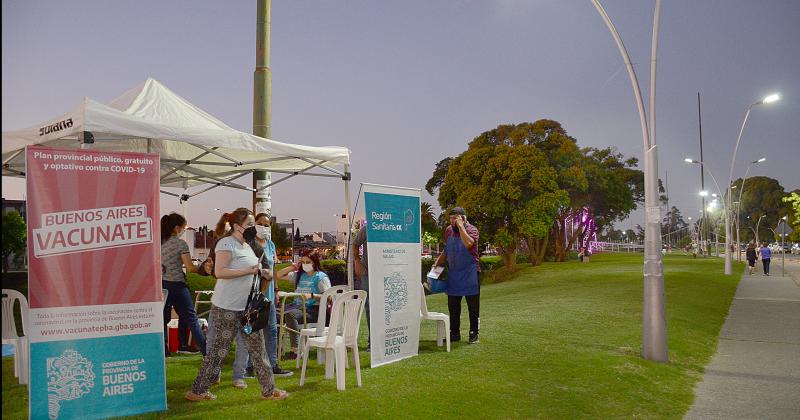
x,y
95,321
393,252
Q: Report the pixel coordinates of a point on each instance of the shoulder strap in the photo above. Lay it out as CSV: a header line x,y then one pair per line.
x,y
256,278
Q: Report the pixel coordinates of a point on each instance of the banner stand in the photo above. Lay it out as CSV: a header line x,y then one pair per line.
x,y
394,258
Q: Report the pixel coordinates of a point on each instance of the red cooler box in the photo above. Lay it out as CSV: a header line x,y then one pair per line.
x,y
173,333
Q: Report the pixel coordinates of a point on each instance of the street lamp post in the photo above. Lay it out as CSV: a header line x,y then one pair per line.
x,y
293,239
769,99
725,214
783,244
654,324
741,190
758,223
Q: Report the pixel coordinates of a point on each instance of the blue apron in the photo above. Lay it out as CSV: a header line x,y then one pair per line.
x,y
462,273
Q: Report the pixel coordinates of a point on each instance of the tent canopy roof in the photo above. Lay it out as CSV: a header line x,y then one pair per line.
x,y
195,147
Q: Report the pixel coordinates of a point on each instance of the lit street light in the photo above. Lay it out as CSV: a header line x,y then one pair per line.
x,y
654,322
712,206
767,100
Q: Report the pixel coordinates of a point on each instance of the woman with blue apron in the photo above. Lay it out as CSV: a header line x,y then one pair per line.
x,y
462,277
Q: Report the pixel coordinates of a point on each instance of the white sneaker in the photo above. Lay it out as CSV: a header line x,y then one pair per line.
x,y
240,383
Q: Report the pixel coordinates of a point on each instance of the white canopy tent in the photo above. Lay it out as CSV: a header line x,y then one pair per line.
x,y
198,151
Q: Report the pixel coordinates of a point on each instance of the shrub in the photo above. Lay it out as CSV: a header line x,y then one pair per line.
x,y
336,271
198,282
501,274
491,263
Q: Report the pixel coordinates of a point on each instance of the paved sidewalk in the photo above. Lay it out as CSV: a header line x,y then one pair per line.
x,y
755,373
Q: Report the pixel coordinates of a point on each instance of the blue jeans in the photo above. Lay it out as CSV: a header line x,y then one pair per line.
x,y
365,287
180,299
243,360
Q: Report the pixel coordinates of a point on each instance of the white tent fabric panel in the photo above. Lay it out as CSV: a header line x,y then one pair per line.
x,y
152,118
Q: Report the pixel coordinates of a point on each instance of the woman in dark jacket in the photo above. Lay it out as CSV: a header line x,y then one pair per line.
x,y
752,256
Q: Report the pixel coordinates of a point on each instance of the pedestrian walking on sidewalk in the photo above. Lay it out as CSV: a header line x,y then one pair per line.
x,y
752,256
766,254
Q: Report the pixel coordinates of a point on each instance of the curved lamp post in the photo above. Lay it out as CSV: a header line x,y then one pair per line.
x,y
654,323
758,223
724,211
767,100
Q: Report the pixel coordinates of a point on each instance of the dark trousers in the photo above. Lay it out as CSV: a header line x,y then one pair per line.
x,y
180,299
765,261
183,333
473,306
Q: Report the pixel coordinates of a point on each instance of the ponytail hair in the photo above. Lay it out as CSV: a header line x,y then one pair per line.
x,y
238,217
219,230
168,224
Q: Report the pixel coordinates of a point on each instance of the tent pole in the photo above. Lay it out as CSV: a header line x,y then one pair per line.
x,y
262,104
348,211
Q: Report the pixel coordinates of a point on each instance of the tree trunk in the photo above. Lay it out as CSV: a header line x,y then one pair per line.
x,y
542,248
559,234
536,249
509,255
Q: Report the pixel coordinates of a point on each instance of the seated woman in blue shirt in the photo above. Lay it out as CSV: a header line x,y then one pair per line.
x,y
311,281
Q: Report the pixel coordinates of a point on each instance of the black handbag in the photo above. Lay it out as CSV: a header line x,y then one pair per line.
x,y
256,311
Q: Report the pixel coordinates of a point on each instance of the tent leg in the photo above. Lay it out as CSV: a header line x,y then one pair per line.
x,y
348,211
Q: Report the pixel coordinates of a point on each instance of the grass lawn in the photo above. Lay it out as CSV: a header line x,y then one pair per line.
x,y
561,340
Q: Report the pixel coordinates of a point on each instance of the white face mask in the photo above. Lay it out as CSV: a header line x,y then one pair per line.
x,y
263,232
308,268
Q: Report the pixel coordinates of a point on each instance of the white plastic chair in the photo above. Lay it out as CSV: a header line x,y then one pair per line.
x,y
442,320
319,329
346,312
10,335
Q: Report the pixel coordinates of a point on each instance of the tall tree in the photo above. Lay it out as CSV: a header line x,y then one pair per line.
x,y
281,238
762,196
15,233
430,227
614,188
439,172
507,187
793,199
672,225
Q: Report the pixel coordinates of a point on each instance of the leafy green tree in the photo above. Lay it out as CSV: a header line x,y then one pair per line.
x,y
761,196
439,172
613,189
430,227
15,234
673,226
508,189
281,238
794,217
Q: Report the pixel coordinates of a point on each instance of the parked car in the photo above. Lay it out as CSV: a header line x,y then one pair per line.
x,y
796,248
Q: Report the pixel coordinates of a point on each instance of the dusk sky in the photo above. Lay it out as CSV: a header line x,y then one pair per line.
x,y
404,84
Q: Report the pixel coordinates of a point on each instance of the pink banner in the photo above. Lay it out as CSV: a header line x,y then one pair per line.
x,y
93,227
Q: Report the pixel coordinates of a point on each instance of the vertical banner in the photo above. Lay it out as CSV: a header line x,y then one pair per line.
x,y
94,284
393,251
